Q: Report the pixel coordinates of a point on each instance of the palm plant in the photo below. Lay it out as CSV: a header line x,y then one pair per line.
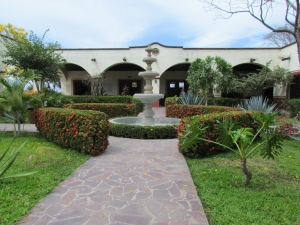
x,y
258,103
190,99
242,139
12,101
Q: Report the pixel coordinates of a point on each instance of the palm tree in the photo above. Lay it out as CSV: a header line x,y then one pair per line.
x,y
12,101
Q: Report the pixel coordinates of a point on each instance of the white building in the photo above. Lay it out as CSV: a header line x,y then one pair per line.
x,y
122,65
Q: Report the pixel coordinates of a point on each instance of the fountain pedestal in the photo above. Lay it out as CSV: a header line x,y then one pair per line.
x,y
148,98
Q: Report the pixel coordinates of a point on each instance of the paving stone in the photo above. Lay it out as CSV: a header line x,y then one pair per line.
x,y
130,219
117,203
161,194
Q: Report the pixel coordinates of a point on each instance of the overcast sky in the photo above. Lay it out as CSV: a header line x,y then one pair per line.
x,y
124,23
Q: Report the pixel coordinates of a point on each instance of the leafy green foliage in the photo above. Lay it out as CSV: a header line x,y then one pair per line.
x,y
34,54
258,103
110,109
293,105
208,74
143,132
209,122
243,138
264,78
13,102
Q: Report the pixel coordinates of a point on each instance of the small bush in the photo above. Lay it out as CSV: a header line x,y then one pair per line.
x,y
111,109
293,106
143,132
139,105
83,130
182,111
203,148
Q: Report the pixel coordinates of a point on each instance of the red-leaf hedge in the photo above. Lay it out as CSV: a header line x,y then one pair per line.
x,y
83,130
244,118
182,111
110,109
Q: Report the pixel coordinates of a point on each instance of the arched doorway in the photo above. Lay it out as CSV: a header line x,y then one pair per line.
x,y
74,75
125,74
173,80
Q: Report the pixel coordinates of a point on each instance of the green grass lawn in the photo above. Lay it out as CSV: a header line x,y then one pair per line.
x,y
54,164
272,197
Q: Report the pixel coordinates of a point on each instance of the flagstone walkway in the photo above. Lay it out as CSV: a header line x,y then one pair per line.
x,y
134,182
141,182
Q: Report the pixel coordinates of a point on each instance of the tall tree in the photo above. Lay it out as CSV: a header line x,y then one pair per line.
x,y
209,74
34,54
261,10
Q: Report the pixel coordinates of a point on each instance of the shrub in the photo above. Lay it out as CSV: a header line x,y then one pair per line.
x,y
139,105
231,102
83,130
143,132
55,99
293,105
111,109
182,111
209,121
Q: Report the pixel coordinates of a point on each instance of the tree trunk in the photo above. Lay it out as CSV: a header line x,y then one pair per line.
x,y
246,171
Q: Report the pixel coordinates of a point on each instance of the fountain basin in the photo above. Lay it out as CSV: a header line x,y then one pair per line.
x,y
140,121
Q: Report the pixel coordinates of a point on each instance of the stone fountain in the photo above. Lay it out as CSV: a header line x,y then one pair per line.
x,y
148,98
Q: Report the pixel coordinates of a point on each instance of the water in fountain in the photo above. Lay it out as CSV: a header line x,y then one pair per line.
x,y
148,98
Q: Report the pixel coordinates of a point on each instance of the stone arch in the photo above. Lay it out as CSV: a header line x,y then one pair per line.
x,y
71,82
242,69
120,74
173,79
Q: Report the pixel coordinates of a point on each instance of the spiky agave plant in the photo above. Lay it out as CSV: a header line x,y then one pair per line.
x,y
190,99
258,103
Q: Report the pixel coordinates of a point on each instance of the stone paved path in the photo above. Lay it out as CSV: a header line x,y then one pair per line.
x,y
137,182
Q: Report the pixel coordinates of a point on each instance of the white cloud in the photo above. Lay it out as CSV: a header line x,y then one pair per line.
x,y
120,23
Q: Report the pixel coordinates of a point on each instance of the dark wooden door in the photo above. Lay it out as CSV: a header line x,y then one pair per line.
x,y
134,86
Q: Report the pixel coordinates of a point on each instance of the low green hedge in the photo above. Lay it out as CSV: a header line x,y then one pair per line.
x,y
143,132
203,148
110,109
83,130
230,102
293,106
59,100
182,111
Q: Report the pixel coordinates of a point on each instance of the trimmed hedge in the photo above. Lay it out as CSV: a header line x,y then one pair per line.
x,y
111,109
293,105
182,111
143,132
203,148
230,102
83,130
59,100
